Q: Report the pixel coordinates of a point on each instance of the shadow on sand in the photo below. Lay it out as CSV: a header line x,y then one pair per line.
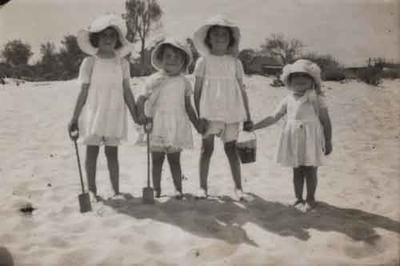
x,y
223,218
5,257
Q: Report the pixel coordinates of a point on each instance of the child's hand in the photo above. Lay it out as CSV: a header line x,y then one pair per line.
x,y
202,126
73,130
328,147
142,119
148,125
248,125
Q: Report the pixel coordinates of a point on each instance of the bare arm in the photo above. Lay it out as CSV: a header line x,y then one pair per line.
x,y
327,127
130,99
272,119
269,120
245,99
80,102
198,86
140,109
191,113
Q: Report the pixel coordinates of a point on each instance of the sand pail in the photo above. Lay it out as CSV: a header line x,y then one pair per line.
x,y
247,146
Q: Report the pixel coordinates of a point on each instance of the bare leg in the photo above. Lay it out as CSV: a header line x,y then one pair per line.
x,y
298,182
92,153
158,160
207,149
311,179
233,158
174,160
113,166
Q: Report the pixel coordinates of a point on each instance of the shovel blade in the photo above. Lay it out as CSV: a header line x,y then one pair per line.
x,y
148,195
84,202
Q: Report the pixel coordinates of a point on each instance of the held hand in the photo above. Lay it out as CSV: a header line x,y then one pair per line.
x,y
148,125
73,130
142,119
328,147
248,126
203,126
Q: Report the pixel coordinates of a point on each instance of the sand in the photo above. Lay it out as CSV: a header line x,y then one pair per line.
x,y
357,220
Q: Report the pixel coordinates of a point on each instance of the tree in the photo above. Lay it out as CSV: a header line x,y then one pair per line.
x,y
286,50
141,17
70,56
246,56
330,67
17,53
49,67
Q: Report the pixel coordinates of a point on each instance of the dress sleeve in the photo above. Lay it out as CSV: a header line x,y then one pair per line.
x,y
239,69
199,69
280,110
125,69
188,87
85,70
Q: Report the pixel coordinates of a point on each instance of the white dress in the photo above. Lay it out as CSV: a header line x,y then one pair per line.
x,y
104,113
166,105
221,97
302,140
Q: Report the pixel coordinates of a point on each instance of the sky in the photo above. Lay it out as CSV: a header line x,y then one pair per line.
x,y
350,30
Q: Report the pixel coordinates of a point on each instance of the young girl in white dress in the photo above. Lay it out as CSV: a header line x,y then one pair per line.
x,y
219,95
306,135
166,103
100,111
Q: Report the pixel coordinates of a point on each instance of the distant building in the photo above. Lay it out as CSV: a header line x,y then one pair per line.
x,y
265,65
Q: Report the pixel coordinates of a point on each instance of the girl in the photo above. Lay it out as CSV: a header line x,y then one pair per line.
x,y
220,98
306,135
105,90
168,105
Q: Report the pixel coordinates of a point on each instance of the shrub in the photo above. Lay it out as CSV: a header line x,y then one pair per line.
x,y
371,75
391,73
330,67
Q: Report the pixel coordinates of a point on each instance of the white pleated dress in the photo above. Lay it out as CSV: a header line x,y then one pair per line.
x,y
302,140
221,97
166,105
104,114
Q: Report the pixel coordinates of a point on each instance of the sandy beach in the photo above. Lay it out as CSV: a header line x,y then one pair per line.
x,y
357,220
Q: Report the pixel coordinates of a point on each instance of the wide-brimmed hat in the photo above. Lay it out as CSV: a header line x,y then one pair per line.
x,y
100,24
219,20
302,66
156,60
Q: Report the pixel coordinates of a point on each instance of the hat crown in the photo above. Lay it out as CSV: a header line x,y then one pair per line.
x,y
221,20
109,20
302,66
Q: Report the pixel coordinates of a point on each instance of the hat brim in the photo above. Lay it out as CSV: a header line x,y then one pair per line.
x,y
200,35
83,38
157,63
302,66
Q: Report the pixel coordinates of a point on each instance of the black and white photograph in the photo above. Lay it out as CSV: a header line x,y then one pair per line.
x,y
212,132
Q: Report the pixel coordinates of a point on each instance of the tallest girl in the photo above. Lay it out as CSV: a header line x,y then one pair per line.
x,y
219,95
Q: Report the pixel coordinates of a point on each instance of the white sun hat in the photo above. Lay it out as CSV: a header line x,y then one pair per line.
x,y
302,66
219,20
100,24
155,58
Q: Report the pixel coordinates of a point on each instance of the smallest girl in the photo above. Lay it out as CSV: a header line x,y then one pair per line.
x,y
306,135
166,102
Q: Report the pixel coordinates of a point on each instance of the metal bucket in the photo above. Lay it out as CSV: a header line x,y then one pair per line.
x,y
247,148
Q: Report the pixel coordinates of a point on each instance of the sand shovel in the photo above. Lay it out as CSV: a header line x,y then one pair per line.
x,y
148,192
84,198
